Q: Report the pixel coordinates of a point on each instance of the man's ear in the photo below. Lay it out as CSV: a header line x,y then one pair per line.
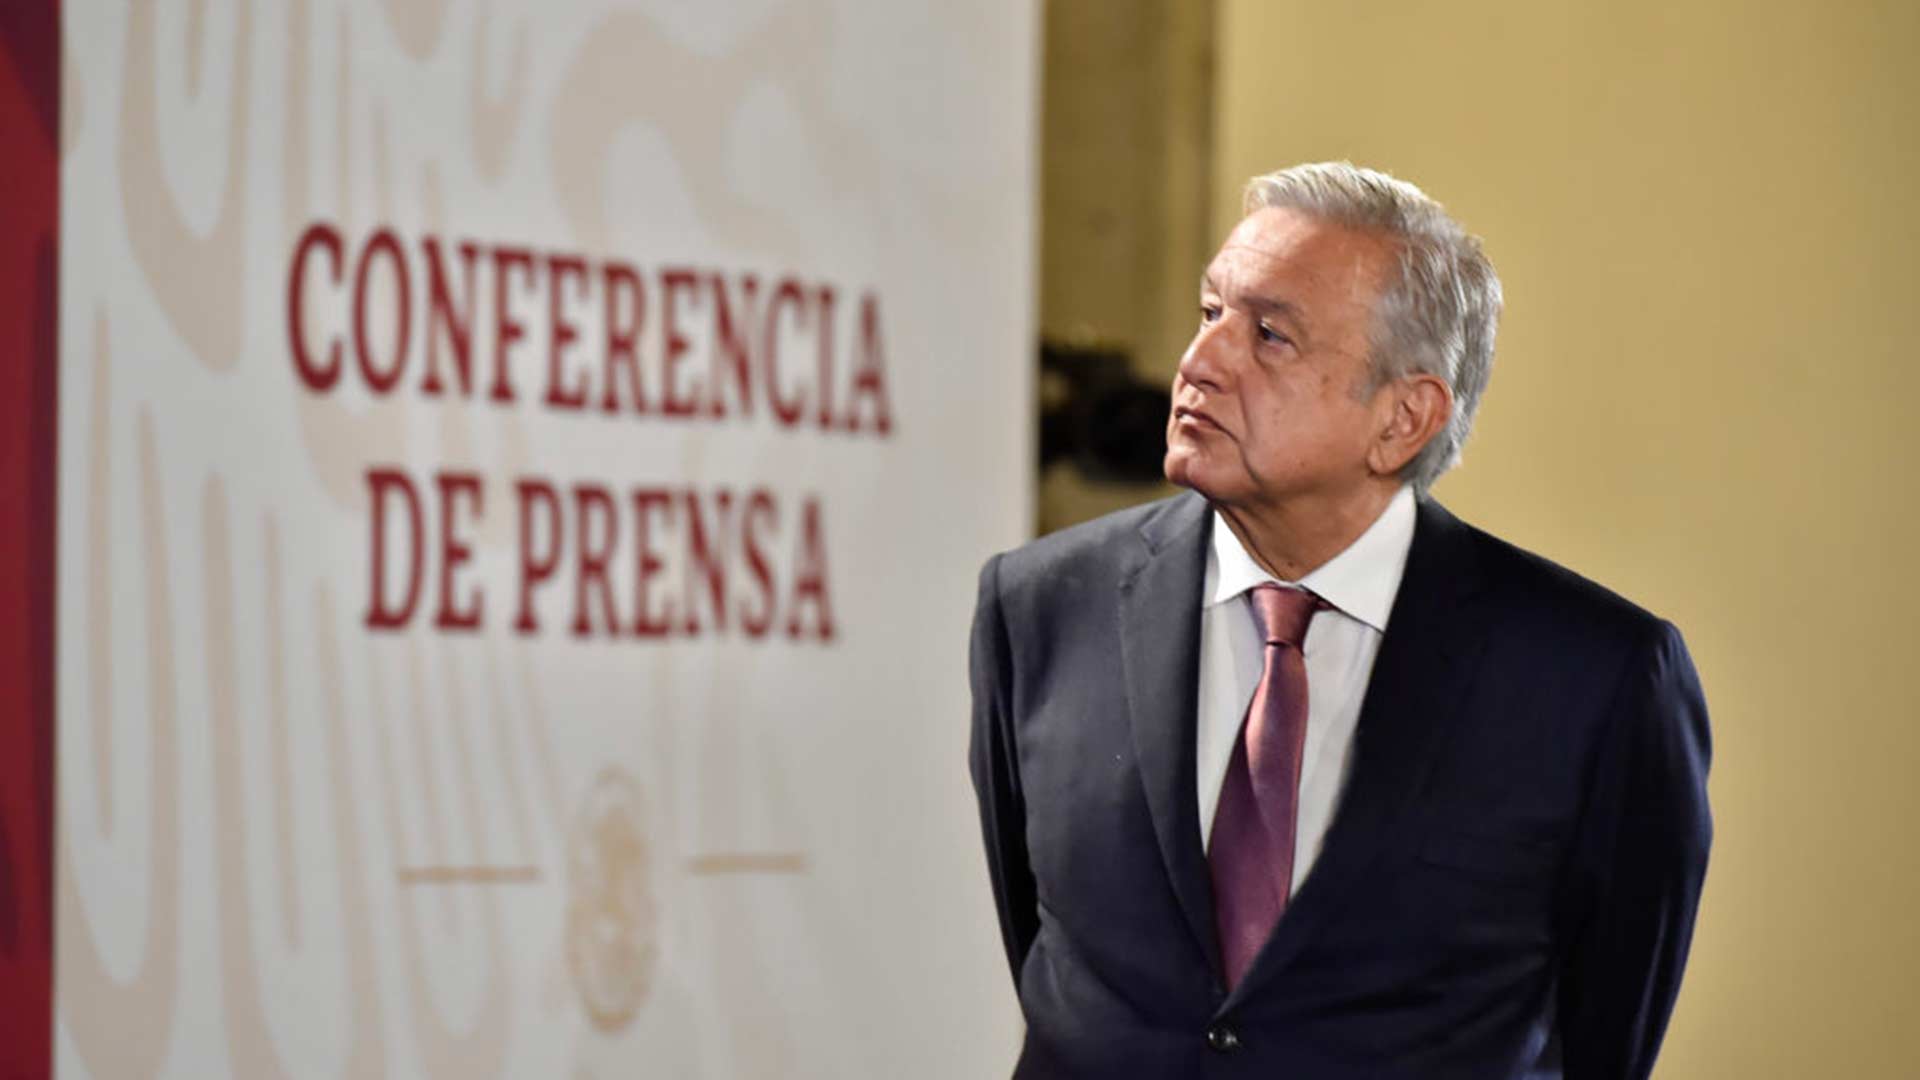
x,y
1416,408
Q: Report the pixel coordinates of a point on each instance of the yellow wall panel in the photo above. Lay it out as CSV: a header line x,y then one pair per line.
x,y
1703,398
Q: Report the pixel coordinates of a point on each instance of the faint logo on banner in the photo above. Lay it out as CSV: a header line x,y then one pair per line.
x,y
612,917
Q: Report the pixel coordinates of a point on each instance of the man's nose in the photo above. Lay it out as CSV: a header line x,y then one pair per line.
x,y
1204,364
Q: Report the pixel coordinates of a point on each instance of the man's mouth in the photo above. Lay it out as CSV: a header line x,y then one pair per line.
x,y
1183,414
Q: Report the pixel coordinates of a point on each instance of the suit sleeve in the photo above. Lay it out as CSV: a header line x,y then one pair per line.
x,y
1639,860
994,761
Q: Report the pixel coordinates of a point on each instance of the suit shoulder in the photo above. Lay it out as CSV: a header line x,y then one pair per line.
x,y
1092,551
1550,598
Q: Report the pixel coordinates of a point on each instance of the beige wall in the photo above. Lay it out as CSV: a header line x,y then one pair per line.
x,y
1125,163
1125,171
1701,398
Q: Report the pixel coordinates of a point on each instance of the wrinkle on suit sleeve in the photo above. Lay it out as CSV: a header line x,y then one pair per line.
x,y
1635,874
993,759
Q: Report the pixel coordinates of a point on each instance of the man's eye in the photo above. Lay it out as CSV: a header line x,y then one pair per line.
x,y
1272,336
1209,312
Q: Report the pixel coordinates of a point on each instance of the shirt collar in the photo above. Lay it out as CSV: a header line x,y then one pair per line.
x,y
1360,581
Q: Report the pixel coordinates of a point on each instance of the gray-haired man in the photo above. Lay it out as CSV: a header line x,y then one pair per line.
x,y
1296,774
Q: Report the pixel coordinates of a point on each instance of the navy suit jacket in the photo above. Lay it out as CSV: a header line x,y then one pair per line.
x,y
1509,883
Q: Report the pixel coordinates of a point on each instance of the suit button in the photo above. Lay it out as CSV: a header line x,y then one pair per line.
x,y
1223,1038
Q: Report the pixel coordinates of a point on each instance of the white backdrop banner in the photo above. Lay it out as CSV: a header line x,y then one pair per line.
x,y
522,469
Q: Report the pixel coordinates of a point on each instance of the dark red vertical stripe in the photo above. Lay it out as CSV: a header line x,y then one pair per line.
x,y
29,305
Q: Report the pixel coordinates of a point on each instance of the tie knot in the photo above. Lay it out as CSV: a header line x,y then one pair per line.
x,y
1283,614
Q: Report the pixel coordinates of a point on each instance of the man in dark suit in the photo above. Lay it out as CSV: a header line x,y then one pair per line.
x,y
1298,775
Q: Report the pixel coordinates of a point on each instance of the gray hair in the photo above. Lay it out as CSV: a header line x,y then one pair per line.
x,y
1438,315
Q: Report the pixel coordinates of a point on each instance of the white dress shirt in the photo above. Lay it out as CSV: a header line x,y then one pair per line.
x,y
1341,644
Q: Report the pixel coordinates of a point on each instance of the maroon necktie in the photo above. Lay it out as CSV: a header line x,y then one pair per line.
x,y
1251,849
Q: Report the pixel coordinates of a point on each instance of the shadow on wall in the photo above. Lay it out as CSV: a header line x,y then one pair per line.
x,y
1102,433
1096,414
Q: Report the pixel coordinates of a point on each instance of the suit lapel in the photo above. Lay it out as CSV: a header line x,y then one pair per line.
x,y
1420,676
1160,657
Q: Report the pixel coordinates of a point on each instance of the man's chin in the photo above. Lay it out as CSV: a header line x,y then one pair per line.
x,y
1182,469
1174,467
1185,468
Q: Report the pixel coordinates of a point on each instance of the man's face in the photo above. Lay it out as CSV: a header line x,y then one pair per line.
x,y
1270,402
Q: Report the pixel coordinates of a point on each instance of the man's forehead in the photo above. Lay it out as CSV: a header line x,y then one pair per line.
x,y
1275,241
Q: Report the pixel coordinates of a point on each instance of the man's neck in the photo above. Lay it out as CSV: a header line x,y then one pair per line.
x,y
1290,540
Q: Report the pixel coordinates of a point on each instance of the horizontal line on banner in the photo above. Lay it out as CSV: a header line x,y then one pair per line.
x,y
735,862
469,875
